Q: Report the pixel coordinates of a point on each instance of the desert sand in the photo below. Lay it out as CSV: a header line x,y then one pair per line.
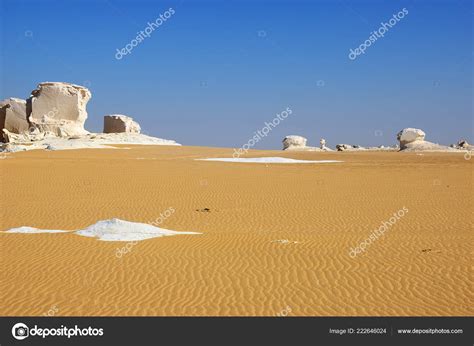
x,y
275,238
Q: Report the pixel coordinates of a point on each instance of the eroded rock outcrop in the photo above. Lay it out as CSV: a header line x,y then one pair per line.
x,y
349,147
463,145
26,136
59,108
294,142
13,115
414,140
322,145
53,119
118,123
410,135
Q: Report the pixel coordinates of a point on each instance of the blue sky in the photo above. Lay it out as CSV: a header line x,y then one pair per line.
x,y
216,71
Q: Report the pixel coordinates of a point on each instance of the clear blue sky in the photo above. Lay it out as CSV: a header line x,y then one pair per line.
x,y
215,71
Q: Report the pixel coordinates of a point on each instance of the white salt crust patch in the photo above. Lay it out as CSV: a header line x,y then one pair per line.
x,y
26,229
111,230
266,160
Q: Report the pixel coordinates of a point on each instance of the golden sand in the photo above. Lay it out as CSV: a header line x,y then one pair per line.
x,y
421,266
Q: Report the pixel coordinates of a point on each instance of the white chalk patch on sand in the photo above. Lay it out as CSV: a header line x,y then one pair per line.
x,y
120,230
74,144
285,241
26,229
266,160
112,230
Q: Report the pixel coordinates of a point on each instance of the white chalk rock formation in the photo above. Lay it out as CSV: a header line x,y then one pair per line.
x,y
90,141
53,119
13,115
33,135
322,145
426,146
349,147
294,143
59,108
118,123
463,145
414,140
410,135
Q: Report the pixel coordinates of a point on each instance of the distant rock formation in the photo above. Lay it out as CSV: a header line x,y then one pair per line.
x,y
13,115
118,123
322,145
59,108
348,147
414,140
410,135
463,145
294,142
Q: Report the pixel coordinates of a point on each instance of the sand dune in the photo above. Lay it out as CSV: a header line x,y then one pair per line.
x,y
274,236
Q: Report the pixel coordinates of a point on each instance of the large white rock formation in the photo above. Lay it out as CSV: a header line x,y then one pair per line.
x,y
53,118
414,140
294,142
59,108
118,123
13,115
410,135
